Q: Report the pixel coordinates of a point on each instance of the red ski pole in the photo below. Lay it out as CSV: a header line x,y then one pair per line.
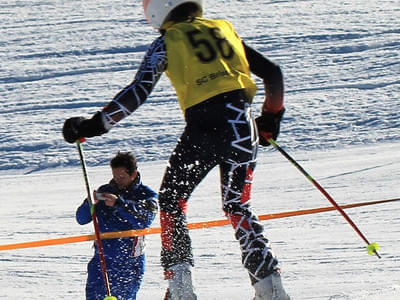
x,y
95,223
371,247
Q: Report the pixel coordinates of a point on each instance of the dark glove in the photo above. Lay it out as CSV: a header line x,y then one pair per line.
x,y
269,124
78,127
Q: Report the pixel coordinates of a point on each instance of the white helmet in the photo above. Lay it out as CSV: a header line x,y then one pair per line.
x,y
157,10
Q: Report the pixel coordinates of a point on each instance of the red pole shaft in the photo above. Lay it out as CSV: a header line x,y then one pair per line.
x,y
319,187
101,254
94,219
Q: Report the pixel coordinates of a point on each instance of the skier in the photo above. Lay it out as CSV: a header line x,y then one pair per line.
x,y
122,204
209,67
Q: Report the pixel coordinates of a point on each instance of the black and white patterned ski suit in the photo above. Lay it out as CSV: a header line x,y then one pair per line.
x,y
219,132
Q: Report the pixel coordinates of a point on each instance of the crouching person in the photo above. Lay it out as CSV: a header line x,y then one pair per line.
x,y
122,204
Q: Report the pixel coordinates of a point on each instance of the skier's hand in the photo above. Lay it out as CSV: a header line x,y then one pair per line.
x,y
78,127
269,125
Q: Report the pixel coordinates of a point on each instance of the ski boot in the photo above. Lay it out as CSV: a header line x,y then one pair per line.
x,y
270,288
180,283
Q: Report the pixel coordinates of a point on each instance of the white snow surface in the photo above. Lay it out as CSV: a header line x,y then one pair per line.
x,y
341,62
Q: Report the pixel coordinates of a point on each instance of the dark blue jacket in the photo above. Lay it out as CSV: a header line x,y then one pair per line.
x,y
135,208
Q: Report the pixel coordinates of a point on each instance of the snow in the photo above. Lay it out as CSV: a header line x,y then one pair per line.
x,y
341,63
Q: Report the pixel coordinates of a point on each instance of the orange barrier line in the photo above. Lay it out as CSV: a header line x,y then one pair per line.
x,y
191,226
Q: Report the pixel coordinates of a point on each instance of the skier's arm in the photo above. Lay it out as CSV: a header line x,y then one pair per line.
x,y
272,77
126,101
132,96
268,123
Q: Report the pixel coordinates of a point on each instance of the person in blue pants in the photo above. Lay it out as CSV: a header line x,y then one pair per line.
x,y
124,203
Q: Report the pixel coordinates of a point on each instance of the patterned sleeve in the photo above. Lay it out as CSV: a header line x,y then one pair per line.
x,y
131,97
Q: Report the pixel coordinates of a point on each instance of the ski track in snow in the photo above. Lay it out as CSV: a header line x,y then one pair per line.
x,y
321,255
341,62
61,59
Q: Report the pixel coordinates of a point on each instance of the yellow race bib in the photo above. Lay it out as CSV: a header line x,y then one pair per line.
x,y
206,58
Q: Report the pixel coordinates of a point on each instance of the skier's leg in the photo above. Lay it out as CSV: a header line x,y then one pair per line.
x,y
257,256
185,171
236,180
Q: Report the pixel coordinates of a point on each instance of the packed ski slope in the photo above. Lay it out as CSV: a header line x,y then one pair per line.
x,y
341,61
66,58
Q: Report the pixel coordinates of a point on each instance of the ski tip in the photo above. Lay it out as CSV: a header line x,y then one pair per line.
x,y
110,298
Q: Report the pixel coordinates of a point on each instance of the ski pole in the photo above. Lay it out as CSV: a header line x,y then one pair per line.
x,y
371,247
95,223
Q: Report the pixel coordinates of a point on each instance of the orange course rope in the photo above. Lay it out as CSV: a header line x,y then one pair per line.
x,y
191,226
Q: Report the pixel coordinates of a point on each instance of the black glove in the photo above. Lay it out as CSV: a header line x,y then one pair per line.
x,y
269,124
78,127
